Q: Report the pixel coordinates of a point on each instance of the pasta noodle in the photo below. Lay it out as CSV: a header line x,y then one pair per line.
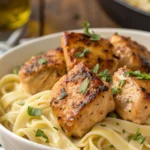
x,y
111,133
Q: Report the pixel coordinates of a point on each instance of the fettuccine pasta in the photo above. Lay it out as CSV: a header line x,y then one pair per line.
x,y
112,133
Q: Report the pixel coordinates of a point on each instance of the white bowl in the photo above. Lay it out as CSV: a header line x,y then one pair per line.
x,y
21,53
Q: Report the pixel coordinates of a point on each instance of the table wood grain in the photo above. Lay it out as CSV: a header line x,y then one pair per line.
x,y
61,15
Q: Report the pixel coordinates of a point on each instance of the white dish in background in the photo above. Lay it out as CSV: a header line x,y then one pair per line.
x,y
21,53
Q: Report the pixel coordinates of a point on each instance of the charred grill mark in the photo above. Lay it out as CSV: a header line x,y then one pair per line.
x,y
79,105
132,53
99,60
104,88
59,49
106,51
115,56
58,117
145,63
147,95
93,94
52,101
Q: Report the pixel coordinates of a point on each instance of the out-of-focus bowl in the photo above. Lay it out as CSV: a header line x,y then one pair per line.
x,y
21,53
126,15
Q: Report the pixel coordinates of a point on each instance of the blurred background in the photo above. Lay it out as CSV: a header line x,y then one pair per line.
x,y
24,19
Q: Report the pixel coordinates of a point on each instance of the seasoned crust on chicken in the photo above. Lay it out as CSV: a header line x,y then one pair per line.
x,y
94,52
41,72
131,54
76,111
133,103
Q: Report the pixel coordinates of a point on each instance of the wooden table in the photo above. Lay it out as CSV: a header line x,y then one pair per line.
x,y
49,16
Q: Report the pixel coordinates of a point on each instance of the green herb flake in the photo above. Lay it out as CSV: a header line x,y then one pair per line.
x,y
103,125
34,111
113,115
129,138
138,137
129,101
105,75
138,75
84,86
96,68
123,131
42,61
16,69
93,36
116,91
56,128
83,53
63,94
40,133
21,103
117,123
111,146
121,83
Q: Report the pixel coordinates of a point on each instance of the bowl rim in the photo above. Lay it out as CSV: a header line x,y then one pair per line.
x,y
133,8
53,35
106,30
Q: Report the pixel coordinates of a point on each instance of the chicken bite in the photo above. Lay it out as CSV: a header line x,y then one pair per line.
x,y
133,96
131,54
80,100
41,72
79,47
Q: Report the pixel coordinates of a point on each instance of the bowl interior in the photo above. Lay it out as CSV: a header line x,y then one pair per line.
x,y
20,54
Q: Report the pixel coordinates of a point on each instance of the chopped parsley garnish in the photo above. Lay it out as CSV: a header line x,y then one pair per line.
x,y
93,36
129,138
21,103
56,128
121,83
123,131
113,115
105,75
34,111
63,94
129,101
138,137
84,86
82,53
111,146
116,91
96,68
16,69
117,123
42,61
138,75
40,133
103,125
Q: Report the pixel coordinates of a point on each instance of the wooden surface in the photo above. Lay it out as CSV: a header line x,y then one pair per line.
x,y
61,15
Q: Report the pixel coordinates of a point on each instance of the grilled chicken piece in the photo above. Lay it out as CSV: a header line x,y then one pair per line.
x,y
79,48
80,100
41,72
133,103
131,54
